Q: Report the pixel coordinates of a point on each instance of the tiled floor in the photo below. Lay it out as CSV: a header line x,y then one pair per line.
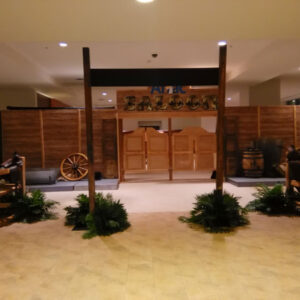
x,y
158,257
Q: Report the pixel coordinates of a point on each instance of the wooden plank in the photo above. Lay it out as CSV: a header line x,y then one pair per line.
x,y
258,122
157,150
298,126
109,148
183,150
89,125
42,139
278,123
134,151
295,125
60,135
121,147
21,133
170,149
220,119
23,174
178,114
79,131
98,139
247,124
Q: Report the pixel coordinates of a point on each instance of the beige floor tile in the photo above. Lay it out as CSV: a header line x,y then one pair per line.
x,y
158,257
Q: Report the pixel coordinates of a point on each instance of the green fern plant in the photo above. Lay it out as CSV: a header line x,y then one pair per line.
x,y
32,207
76,215
217,213
108,217
273,200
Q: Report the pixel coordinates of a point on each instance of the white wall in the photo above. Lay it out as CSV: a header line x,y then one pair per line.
x,y
289,88
17,97
237,95
266,93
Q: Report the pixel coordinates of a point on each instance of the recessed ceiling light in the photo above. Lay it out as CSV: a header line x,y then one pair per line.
x,y
104,94
63,44
109,100
229,98
222,43
145,1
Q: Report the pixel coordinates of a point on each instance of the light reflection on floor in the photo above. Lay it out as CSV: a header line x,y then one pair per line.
x,y
157,258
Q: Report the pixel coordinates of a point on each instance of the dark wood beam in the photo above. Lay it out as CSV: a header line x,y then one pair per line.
x,y
154,77
121,149
89,125
220,119
170,149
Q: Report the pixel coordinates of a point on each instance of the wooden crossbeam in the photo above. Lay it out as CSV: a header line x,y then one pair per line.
x,y
154,77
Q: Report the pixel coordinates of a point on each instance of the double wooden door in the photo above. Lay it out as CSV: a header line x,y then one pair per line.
x,y
194,149
147,150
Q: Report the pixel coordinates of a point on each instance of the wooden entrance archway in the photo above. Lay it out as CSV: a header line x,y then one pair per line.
x,y
154,77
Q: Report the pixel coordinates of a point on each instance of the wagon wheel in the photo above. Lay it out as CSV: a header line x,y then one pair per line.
x,y
74,167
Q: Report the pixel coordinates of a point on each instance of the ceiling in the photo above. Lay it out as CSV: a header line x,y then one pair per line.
x,y
161,20
263,37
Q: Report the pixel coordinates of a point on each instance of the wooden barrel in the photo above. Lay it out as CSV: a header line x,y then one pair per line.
x,y
253,163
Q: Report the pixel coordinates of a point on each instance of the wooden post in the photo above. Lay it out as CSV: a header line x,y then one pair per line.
x,y
42,138
220,119
23,174
295,127
121,149
258,122
79,131
170,149
89,125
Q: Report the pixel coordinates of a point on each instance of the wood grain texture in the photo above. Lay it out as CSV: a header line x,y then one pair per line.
x,y
110,148
134,151
157,150
60,135
278,123
21,133
298,126
247,123
220,118
98,139
139,94
42,138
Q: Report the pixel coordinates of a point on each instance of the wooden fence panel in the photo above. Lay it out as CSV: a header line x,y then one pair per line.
x,y
277,122
247,124
60,135
21,132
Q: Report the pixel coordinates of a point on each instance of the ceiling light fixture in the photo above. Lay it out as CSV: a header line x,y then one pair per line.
x,y
229,98
222,43
104,94
109,100
63,44
144,1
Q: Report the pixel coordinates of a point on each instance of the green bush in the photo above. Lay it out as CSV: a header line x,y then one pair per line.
x,y
30,208
217,213
273,200
108,217
76,215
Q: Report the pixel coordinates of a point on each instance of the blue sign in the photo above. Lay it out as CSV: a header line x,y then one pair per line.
x,y
170,90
